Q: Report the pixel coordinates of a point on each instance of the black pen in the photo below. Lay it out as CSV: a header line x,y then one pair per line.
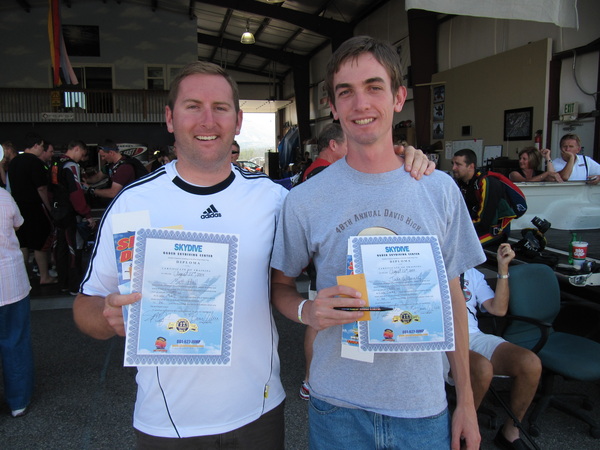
x,y
363,308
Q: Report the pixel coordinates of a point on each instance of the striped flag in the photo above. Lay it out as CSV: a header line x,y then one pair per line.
x,y
58,51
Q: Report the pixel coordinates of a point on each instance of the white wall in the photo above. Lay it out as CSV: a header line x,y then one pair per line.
x,y
464,39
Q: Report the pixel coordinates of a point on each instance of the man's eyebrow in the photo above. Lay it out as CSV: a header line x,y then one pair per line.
x,y
374,80
342,86
367,81
202,102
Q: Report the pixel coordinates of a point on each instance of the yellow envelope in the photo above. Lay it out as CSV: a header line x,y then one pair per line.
x,y
358,282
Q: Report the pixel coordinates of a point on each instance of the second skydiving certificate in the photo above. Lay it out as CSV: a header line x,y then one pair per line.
x,y
407,274
188,281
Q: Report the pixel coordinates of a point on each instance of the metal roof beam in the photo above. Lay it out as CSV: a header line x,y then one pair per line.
x,y
283,57
320,25
224,25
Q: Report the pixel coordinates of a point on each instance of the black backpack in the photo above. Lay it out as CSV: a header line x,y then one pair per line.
x,y
61,211
299,179
138,167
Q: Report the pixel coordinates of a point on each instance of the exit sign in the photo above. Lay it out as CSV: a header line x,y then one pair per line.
x,y
570,108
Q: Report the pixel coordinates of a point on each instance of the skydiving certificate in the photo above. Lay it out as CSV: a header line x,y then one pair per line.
x,y
188,281
407,274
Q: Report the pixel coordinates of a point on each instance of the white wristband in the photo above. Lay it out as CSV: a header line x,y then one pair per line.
x,y
503,277
300,306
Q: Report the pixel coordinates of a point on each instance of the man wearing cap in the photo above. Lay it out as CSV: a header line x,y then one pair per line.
x,y
119,174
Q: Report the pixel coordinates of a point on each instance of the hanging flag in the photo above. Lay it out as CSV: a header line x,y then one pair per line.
x,y
58,51
54,38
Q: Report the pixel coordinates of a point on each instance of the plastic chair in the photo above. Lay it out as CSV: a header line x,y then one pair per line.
x,y
534,305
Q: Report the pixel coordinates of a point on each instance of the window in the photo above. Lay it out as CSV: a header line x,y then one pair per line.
x,y
159,77
94,78
156,77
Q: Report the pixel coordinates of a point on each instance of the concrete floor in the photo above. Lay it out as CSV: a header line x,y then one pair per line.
x,y
84,396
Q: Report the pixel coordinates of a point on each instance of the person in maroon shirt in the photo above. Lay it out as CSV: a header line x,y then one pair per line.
x,y
119,172
70,202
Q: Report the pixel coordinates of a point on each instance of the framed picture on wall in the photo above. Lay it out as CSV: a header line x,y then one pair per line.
x,y
437,131
518,124
438,111
439,94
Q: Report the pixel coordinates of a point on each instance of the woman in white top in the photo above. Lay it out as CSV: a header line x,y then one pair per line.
x,y
15,330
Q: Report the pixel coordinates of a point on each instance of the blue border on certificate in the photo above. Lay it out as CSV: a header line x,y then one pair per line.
x,y
447,343
132,358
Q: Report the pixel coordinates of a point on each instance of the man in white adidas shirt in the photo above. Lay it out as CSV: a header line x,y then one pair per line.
x,y
201,191
235,406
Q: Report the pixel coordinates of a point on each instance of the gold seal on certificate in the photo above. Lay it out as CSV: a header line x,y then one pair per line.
x,y
187,280
182,326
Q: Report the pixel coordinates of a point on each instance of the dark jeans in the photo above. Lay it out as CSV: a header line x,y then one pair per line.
x,y
265,433
68,258
16,353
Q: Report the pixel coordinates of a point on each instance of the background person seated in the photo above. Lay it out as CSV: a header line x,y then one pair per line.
x,y
529,162
491,355
575,167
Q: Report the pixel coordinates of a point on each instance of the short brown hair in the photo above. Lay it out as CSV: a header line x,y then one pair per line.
x,y
384,53
535,156
570,136
202,67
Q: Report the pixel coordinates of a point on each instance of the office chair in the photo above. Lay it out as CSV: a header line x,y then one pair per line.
x,y
534,305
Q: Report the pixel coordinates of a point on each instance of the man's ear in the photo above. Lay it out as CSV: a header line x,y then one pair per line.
x,y
333,110
240,118
169,118
400,98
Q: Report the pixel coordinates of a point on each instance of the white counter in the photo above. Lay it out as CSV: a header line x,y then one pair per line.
x,y
573,205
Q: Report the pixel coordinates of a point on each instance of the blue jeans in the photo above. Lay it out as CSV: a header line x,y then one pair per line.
x,y
332,427
17,354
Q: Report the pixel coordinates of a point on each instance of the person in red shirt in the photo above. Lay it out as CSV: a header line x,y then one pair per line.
x,y
331,145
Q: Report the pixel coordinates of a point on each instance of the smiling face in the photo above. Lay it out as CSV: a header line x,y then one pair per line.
x,y
205,122
365,102
524,161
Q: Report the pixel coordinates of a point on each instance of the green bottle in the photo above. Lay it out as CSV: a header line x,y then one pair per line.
x,y
573,239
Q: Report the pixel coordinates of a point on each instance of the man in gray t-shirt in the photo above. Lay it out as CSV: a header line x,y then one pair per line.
x,y
399,398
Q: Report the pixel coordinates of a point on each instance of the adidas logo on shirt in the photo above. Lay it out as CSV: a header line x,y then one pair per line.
x,y
210,213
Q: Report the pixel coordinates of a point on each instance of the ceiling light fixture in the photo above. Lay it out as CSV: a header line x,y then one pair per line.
x,y
247,37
